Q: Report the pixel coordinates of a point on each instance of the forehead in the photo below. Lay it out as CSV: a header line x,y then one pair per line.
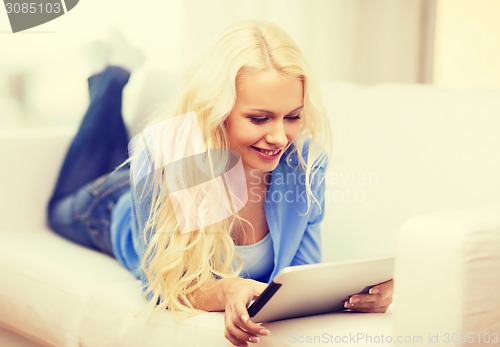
x,y
269,90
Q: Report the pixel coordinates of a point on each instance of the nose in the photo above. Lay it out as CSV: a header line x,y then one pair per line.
x,y
277,135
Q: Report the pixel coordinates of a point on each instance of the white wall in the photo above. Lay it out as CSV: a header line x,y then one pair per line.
x,y
467,48
363,41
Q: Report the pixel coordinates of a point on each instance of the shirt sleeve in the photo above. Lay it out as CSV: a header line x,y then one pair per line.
x,y
309,250
141,191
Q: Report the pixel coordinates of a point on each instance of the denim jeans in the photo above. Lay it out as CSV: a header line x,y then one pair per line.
x,y
88,185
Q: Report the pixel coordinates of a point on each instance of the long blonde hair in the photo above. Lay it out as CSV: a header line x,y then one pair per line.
x,y
176,264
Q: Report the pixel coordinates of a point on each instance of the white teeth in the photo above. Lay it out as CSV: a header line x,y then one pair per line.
x,y
267,152
270,152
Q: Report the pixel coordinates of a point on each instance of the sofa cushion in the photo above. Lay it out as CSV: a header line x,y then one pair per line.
x,y
456,255
115,316
52,293
32,159
334,329
45,282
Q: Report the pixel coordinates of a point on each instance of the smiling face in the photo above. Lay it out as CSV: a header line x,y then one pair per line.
x,y
266,118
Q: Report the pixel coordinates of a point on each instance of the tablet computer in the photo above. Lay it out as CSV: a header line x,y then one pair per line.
x,y
305,290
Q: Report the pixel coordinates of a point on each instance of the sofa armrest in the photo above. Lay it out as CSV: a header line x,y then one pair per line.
x,y
31,159
447,278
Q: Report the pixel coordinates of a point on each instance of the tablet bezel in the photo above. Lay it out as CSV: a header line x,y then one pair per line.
x,y
344,279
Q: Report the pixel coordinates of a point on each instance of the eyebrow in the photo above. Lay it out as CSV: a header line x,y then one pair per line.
x,y
272,113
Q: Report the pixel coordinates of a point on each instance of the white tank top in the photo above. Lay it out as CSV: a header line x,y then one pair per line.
x,y
258,258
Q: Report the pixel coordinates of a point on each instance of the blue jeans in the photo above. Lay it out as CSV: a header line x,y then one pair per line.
x,y
88,185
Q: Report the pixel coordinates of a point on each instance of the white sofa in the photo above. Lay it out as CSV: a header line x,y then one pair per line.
x,y
414,173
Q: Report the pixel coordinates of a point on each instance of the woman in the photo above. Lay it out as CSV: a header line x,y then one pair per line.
x,y
252,97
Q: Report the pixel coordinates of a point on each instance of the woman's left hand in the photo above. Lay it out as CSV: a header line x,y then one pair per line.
x,y
377,300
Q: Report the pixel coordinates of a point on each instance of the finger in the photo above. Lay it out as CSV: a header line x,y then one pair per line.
x,y
233,339
360,298
236,342
245,330
259,287
384,287
251,327
358,306
235,332
368,304
244,322
370,310
379,306
228,333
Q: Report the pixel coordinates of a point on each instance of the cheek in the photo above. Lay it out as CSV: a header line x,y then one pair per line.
x,y
293,131
243,136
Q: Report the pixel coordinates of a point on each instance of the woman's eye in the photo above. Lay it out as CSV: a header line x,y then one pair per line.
x,y
293,118
258,120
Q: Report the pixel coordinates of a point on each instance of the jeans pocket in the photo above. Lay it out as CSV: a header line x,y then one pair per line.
x,y
98,231
105,191
110,183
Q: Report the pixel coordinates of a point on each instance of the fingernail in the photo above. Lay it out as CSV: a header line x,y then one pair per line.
x,y
254,339
244,318
263,332
374,291
353,300
347,304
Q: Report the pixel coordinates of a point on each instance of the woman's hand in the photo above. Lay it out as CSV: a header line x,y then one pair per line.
x,y
377,300
238,293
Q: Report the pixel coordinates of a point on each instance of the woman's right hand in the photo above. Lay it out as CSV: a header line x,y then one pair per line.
x,y
238,293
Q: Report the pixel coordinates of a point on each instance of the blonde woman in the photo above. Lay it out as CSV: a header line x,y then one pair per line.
x,y
253,98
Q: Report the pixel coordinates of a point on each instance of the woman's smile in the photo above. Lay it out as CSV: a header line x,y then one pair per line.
x,y
267,154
